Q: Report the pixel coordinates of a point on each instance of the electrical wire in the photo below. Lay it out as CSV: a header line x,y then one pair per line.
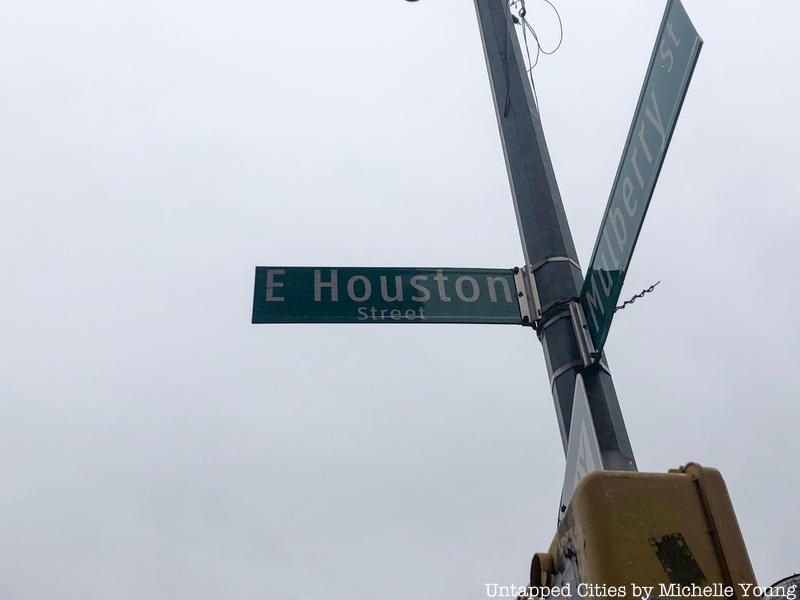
x,y
536,37
522,11
530,69
519,19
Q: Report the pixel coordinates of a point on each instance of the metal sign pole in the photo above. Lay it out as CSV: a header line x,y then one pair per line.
x,y
550,256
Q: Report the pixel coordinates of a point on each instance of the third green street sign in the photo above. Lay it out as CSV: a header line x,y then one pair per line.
x,y
671,65
385,295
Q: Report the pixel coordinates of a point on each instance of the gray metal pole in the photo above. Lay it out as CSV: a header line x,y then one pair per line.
x,y
546,238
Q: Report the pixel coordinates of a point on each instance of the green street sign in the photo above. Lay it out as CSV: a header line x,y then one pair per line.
x,y
385,295
671,65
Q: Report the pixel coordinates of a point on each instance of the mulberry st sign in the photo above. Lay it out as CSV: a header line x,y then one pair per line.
x,y
386,295
671,65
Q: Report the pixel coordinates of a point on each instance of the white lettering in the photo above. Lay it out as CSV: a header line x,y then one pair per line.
x,y
607,238
491,281
476,292
617,220
645,147
272,284
351,288
416,283
606,270
642,591
319,284
439,278
398,289
593,300
395,314
671,34
627,194
635,163
666,53
655,119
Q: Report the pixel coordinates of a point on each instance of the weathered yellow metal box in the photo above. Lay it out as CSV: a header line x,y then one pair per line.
x,y
664,530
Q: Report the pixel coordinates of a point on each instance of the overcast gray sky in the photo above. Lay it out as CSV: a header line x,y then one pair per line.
x,y
154,444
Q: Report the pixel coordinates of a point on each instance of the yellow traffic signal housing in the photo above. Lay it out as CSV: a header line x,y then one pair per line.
x,y
627,534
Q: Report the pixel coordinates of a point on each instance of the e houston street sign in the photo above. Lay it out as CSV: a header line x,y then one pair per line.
x,y
386,295
671,65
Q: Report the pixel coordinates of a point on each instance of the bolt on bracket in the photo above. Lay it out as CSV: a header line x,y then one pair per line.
x,y
589,354
528,298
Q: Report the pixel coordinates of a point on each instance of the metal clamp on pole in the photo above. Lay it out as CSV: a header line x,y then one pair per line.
x,y
526,276
528,298
554,310
588,352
